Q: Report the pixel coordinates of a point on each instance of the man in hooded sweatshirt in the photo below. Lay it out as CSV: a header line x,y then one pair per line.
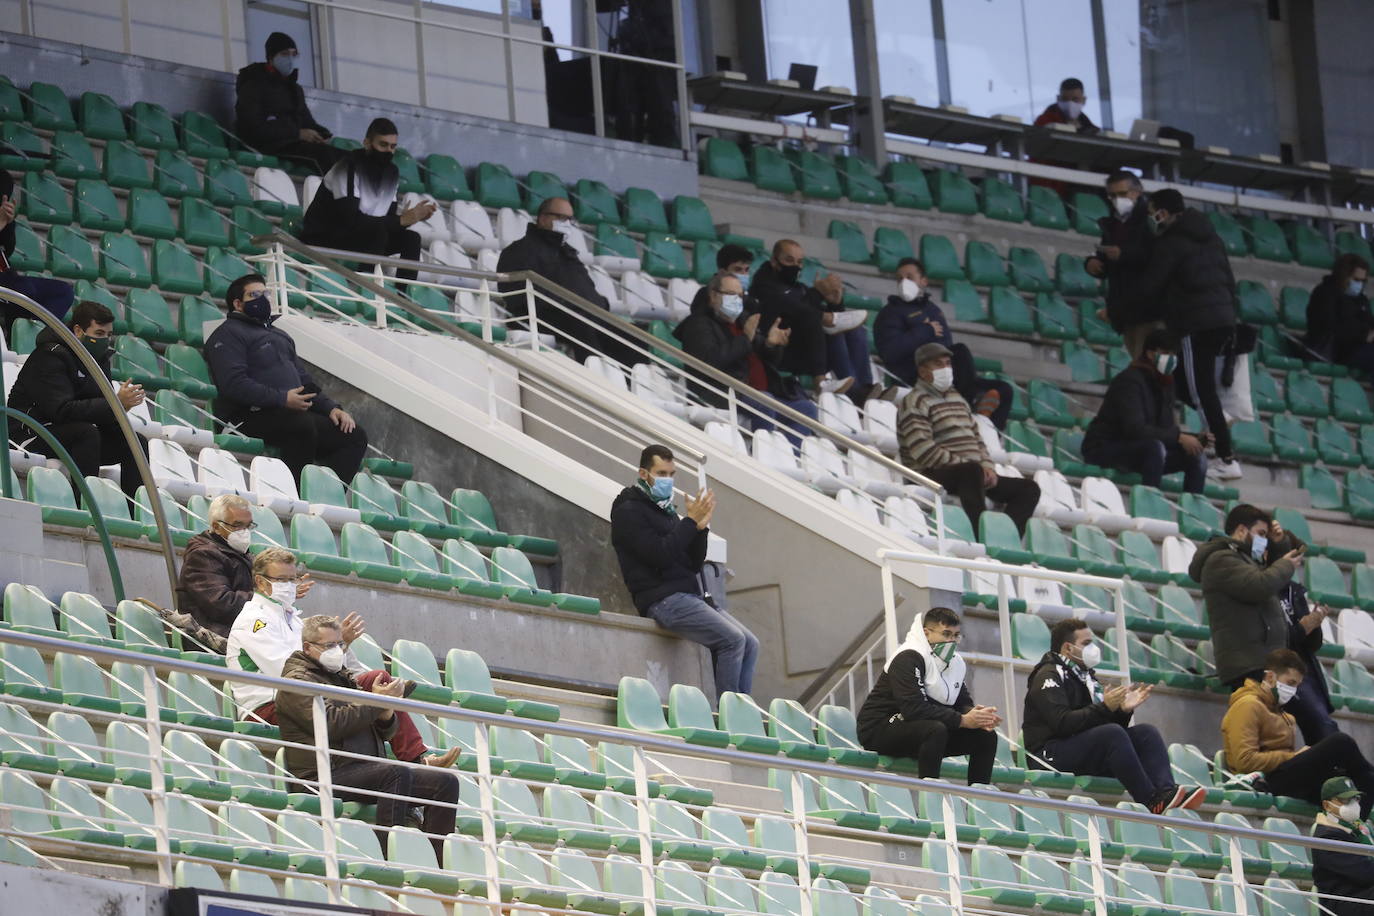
x,y
921,708
1189,285
1074,725
661,555
1242,594
1259,737
1343,874
355,208
270,113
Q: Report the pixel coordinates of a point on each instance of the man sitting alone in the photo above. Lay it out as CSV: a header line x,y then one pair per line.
x,y
1343,874
920,706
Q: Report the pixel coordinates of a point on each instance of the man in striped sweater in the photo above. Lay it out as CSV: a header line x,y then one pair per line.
x,y
940,439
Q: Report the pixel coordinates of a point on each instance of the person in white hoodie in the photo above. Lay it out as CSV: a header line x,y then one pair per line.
x,y
921,707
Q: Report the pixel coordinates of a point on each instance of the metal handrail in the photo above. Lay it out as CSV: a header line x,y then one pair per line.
x,y
97,375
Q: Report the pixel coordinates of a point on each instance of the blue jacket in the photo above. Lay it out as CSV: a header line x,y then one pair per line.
x,y
254,365
901,329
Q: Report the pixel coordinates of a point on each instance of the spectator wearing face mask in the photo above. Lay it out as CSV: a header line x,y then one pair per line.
x,y
1241,594
910,320
1259,737
1122,255
216,577
1067,108
1343,874
266,392
1136,428
939,438
270,113
920,707
1075,725
1340,326
355,208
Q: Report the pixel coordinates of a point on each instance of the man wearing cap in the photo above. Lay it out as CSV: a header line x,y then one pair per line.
x,y
940,439
1343,874
270,113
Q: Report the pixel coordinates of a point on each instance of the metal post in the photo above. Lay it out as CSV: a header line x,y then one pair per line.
x,y
152,725
953,866
1104,71
869,125
487,809
798,806
1237,877
126,25
644,830
937,31
1099,875
224,30
1124,659
320,724
484,302
1010,715
594,42
277,256
684,106
533,314
939,525
732,405
420,78
890,636
508,53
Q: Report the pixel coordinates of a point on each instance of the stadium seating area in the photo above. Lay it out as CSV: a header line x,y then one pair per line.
x,y
154,215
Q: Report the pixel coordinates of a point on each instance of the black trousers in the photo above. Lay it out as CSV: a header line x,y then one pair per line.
x,y
306,437
420,784
1335,755
1016,495
320,155
92,446
1197,369
1135,755
373,235
929,742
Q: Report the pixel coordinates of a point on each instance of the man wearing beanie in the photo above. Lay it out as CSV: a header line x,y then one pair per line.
x,y
271,115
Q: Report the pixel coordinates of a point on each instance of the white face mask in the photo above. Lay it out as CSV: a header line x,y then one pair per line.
x,y
1123,206
1091,655
239,540
1284,692
332,659
284,593
1071,109
1350,810
942,379
908,289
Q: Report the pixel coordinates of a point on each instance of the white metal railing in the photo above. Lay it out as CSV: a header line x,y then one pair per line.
x,y
325,838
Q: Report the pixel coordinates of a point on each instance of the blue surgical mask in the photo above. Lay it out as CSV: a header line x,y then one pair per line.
x,y
1354,288
743,280
1258,545
661,488
285,64
731,305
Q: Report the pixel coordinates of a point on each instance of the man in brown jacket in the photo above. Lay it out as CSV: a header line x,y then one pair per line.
x,y
940,439
357,728
1260,738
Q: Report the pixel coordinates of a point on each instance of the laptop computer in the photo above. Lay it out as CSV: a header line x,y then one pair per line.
x,y
1144,130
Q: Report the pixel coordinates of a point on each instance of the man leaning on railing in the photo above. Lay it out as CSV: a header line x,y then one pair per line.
x,y
359,730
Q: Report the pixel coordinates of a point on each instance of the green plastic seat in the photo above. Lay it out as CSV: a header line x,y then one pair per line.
x,y
998,534
1256,304
1048,404
1359,500
940,260
1349,401
1096,552
664,256
1045,208
225,184
444,178
721,158
142,630
1000,201
815,174
907,184
96,206
151,127
741,717
771,170
26,151
192,314
27,610
150,317
1293,308
70,255
99,117
593,203
73,157
176,175
1055,318
859,180
202,137
45,200
245,222
1030,636
125,166
149,214
1325,582
123,262
1251,437
853,247
11,104
28,249
615,241
1028,271
1310,247
793,726
48,488
1306,396
175,269
186,368
1010,313
49,108
838,731
691,219
952,192
984,266
365,549
960,295
1267,240
1232,235
1335,445
644,211
222,267
540,186
1071,279
202,224
313,544
890,247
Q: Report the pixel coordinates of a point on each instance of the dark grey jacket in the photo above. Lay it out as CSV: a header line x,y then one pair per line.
x,y
253,365
1243,608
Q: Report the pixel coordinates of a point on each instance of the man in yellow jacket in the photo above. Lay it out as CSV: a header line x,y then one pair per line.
x,y
1259,737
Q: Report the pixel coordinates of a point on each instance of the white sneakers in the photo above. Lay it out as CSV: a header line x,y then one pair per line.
x,y
828,384
1225,470
847,320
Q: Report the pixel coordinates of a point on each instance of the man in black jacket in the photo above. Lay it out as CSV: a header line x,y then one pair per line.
x,y
1122,255
1340,325
1188,283
55,390
661,556
544,250
270,113
1072,724
1136,428
266,392
920,706
1311,706
1343,874
54,295
355,206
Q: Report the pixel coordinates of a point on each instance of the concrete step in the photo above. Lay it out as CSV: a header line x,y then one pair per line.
x,y
815,246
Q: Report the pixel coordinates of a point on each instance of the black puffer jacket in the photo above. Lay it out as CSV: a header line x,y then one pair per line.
x,y
1188,282
704,335
270,109
254,365
1059,704
53,387
659,554
1343,874
1139,404
1337,322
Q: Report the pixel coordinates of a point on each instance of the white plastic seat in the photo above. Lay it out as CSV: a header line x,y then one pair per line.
x,y
1058,502
772,450
1355,631
271,480
1178,553
986,583
859,505
510,225
651,383
643,297
728,434
616,264
309,186
992,440
487,258
173,470
681,292
904,514
880,422
875,479
822,461
1044,598
470,226
842,415
142,422
608,372
434,229
11,374
444,251
220,472
1102,501
576,238
608,289
274,185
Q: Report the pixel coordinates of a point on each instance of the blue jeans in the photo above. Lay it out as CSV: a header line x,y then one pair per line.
x,y
1136,756
770,420
733,648
54,295
1151,459
847,355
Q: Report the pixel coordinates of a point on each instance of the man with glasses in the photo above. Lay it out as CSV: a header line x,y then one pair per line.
x,y
54,388
268,630
921,708
216,578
